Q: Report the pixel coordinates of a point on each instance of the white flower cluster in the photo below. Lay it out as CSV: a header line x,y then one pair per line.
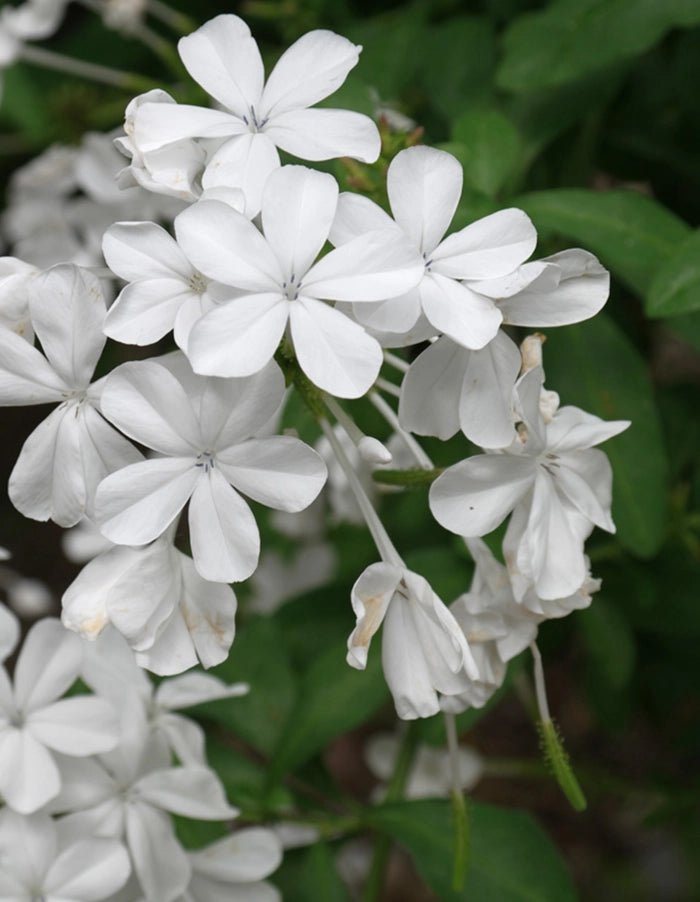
x,y
271,275
89,781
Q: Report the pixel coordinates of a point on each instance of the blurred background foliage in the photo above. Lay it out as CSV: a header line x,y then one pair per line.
x,y
585,113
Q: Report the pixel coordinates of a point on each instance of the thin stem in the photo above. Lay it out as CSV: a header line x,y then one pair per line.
x,y
402,769
453,750
388,387
355,434
540,690
385,546
178,21
389,414
397,362
39,56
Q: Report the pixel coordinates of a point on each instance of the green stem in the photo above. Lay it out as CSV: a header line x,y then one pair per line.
x,y
382,848
39,56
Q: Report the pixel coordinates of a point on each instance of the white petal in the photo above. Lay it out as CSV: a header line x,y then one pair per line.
x,y
135,505
488,248
431,388
244,857
280,472
486,403
325,134
26,377
225,60
48,664
334,352
195,688
582,496
371,267
226,246
297,211
150,405
157,125
573,429
370,597
209,610
81,725
356,215
47,480
311,69
558,563
159,860
145,311
143,250
29,777
184,736
68,311
240,337
424,186
244,163
582,290
468,318
190,791
398,315
89,870
472,497
223,532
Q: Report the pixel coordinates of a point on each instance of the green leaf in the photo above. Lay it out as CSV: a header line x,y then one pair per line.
x,y
258,657
609,642
491,149
592,365
310,874
333,698
571,38
676,287
511,858
632,234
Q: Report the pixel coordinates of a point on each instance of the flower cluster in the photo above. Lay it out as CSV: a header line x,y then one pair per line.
x,y
271,280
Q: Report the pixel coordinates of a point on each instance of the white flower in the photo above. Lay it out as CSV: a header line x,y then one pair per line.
x,y
256,118
279,283
35,865
15,279
551,471
9,632
129,793
154,597
423,648
30,21
203,429
34,722
165,291
424,186
66,456
449,387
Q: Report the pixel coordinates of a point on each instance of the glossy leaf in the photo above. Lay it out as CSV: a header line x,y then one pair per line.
x,y
676,287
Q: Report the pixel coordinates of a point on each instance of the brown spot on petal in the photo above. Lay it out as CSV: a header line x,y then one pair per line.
x,y
369,624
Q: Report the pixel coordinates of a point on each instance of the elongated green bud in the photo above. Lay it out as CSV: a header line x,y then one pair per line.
x,y
558,761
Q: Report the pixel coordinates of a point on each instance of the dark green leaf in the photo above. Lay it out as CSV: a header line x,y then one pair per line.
x,y
333,698
676,287
310,874
258,657
594,366
609,642
571,38
491,149
511,858
632,234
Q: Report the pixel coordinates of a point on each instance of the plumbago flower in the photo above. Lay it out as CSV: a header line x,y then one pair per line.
x,y
129,793
257,118
556,483
36,865
67,455
35,721
424,651
278,284
424,187
170,616
449,387
203,430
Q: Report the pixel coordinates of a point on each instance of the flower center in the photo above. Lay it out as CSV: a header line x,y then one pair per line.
x,y
198,283
549,462
205,461
251,120
428,262
292,288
